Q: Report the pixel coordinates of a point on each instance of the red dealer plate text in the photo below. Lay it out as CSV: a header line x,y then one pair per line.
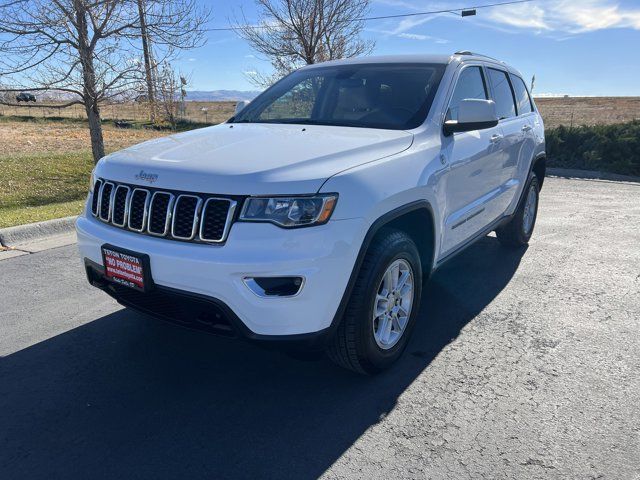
x,y
123,268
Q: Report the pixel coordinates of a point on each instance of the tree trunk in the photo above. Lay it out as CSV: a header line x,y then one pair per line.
x,y
90,94
95,129
148,69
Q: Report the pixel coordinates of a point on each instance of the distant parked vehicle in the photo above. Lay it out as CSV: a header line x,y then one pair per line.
x,y
25,97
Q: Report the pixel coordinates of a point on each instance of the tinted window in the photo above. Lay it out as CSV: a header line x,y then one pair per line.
x,y
502,94
470,85
393,96
522,96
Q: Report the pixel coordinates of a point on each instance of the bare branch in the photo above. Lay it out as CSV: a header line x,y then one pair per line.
x,y
292,33
89,50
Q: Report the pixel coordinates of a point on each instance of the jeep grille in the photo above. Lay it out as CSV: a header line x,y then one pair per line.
x,y
190,217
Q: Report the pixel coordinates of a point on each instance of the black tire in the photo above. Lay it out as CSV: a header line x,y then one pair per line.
x,y
353,345
514,234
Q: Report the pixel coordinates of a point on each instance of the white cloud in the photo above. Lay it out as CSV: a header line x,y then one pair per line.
x,y
567,16
411,22
413,36
401,28
191,59
418,36
250,72
250,56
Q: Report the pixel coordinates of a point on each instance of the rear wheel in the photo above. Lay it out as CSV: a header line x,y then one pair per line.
x,y
518,231
383,307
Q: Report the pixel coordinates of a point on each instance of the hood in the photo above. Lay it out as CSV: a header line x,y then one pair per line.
x,y
251,159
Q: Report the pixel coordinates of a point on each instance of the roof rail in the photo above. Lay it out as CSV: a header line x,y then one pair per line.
x,y
475,54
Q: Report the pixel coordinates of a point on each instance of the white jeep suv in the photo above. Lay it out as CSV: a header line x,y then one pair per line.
x,y
316,214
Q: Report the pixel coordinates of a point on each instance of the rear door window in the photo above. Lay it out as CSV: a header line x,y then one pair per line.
x,y
502,94
470,85
522,95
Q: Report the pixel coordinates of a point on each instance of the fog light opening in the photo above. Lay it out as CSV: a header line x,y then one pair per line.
x,y
266,287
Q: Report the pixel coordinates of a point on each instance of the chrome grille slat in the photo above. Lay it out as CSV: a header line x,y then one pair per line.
x,y
106,201
120,208
160,213
192,217
185,217
95,199
210,230
138,208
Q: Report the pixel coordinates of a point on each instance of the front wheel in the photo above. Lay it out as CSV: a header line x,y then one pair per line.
x,y
383,307
518,231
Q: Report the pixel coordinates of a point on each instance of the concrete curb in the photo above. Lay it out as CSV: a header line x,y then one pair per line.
x,y
32,232
590,175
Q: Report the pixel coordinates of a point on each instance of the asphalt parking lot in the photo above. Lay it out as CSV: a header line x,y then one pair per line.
x,y
525,364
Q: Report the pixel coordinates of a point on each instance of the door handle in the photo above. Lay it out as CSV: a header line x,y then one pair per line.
x,y
526,128
496,138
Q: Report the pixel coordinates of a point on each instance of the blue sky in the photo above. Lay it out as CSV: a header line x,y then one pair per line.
x,y
585,47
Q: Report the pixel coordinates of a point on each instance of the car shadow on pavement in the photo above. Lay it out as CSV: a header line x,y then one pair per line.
x,y
126,396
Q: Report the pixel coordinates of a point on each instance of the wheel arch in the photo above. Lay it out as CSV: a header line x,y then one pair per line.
x,y
408,218
539,167
417,221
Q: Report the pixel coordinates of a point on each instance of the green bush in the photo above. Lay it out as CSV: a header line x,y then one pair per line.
x,y
604,148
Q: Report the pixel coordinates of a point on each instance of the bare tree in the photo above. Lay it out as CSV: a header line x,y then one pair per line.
x,y
148,62
74,47
87,50
167,26
293,33
171,93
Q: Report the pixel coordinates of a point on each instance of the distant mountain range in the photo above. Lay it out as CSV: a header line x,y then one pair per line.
x,y
220,95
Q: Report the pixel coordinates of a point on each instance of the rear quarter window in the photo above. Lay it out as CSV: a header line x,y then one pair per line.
x,y
502,94
523,100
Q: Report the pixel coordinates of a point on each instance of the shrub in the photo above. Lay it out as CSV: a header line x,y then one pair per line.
x,y
606,148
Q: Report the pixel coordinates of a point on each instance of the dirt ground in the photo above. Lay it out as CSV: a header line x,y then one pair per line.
x,y
49,136
201,112
555,111
44,135
574,111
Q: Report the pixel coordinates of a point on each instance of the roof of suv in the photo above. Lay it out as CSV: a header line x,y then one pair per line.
x,y
387,59
457,57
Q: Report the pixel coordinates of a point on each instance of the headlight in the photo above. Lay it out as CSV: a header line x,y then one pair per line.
x,y
290,212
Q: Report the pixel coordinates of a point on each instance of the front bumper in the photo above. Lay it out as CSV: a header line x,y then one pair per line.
x,y
213,274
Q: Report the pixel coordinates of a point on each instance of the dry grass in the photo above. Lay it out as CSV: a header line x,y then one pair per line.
x,y
575,111
44,136
45,163
556,111
216,112
45,167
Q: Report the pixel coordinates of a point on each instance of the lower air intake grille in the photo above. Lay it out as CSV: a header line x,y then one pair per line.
x,y
176,308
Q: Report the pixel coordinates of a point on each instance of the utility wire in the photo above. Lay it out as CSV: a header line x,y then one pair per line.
x,y
383,17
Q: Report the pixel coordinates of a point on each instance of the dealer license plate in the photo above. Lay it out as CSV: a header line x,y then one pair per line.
x,y
126,268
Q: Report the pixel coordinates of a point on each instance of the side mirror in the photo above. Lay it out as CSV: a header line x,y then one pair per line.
x,y
473,114
240,105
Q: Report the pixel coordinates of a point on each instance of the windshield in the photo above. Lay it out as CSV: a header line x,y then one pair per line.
x,y
391,96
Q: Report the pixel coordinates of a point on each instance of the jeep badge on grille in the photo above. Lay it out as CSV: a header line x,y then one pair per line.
x,y
147,177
